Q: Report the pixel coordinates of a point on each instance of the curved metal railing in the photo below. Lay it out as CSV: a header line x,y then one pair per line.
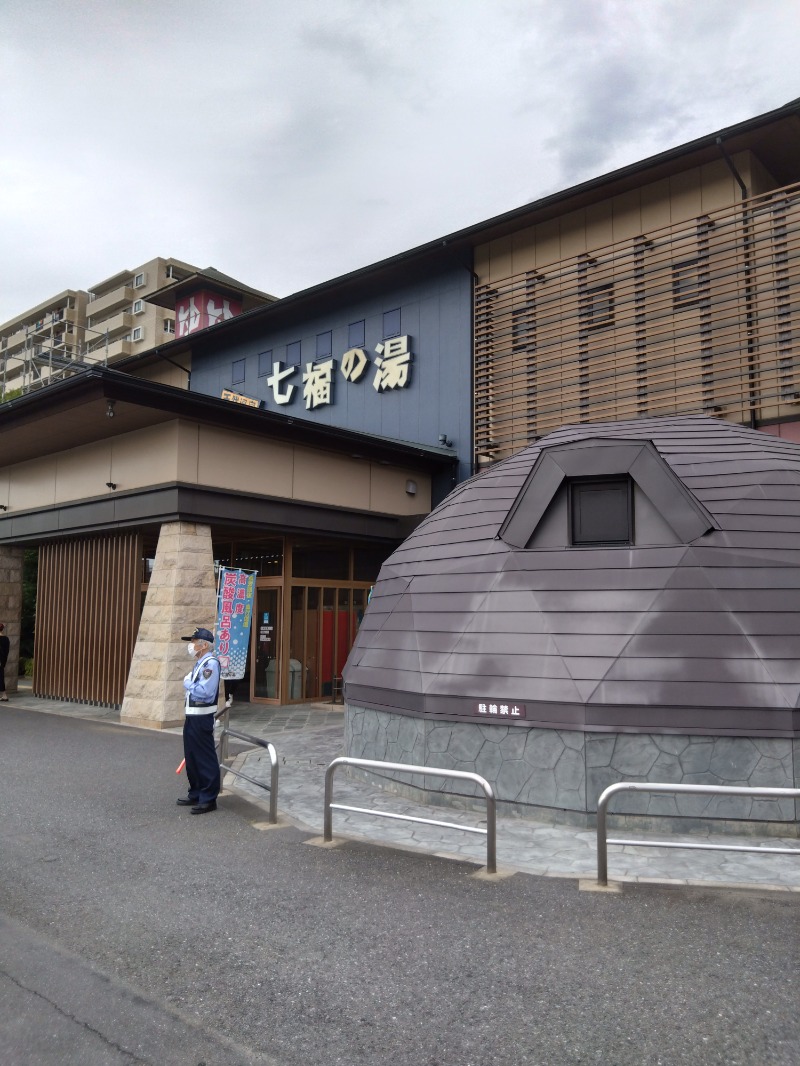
x,y
646,786
490,832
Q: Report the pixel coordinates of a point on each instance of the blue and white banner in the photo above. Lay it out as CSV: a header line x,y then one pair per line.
x,y
235,592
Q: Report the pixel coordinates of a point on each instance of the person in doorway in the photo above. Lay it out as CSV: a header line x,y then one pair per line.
x,y
202,693
5,647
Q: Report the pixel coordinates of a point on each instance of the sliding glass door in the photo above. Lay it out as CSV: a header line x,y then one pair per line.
x,y
324,622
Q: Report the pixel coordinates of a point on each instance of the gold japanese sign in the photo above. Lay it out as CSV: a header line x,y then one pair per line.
x,y
236,397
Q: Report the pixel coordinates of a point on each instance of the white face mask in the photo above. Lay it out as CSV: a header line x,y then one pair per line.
x,y
190,650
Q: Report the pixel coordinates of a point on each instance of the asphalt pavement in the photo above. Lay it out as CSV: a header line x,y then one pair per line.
x,y
157,937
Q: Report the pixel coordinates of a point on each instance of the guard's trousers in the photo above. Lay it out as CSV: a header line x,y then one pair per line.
x,y
202,764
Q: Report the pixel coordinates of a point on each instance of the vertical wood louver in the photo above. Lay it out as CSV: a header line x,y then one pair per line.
x,y
697,317
86,618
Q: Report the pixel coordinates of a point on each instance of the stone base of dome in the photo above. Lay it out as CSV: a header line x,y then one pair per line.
x,y
557,775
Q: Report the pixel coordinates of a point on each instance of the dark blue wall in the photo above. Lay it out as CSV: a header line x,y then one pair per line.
x,y
435,315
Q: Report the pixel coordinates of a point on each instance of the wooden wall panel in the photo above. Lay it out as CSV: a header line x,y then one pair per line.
x,y
700,316
87,616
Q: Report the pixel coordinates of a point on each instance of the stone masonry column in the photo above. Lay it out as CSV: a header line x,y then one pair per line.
x,y
181,596
11,608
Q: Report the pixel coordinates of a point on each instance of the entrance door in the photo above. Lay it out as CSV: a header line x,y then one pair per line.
x,y
267,627
324,624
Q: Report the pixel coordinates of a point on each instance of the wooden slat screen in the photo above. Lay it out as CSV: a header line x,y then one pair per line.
x,y
697,317
87,616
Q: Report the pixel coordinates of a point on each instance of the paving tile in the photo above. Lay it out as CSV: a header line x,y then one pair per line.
x,y
307,737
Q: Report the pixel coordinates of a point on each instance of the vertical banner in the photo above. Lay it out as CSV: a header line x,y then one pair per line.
x,y
235,592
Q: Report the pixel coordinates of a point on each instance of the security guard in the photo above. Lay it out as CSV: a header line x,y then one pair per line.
x,y
202,693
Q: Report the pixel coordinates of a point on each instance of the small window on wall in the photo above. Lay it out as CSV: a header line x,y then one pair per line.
x,y
356,334
293,354
321,561
237,372
368,560
597,311
265,556
601,512
324,345
264,363
391,323
169,325
689,284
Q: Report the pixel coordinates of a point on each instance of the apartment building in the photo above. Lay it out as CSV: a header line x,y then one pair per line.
x,y
120,321
42,341
102,324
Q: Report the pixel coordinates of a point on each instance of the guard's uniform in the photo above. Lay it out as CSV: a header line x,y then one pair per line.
x,y
202,764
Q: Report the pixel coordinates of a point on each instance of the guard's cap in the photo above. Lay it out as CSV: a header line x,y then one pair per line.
x,y
201,634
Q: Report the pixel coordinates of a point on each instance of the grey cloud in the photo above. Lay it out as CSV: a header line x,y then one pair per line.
x,y
288,143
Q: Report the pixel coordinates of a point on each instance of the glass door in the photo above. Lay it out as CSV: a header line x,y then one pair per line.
x,y
324,623
267,634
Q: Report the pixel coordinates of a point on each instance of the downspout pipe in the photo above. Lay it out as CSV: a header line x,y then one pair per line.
x,y
748,283
469,266
731,167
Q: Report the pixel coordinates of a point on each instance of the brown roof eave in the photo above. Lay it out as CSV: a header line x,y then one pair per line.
x,y
104,384
167,295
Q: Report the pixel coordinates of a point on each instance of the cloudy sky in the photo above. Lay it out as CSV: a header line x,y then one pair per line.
x,y
289,141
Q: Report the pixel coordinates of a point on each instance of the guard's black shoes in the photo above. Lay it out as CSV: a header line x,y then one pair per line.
x,y
186,802
204,808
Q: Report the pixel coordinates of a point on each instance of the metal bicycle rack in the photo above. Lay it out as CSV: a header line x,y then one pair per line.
x,y
490,832
716,790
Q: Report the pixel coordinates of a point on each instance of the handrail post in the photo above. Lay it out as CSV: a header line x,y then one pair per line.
x,y
223,740
602,837
491,832
273,785
327,821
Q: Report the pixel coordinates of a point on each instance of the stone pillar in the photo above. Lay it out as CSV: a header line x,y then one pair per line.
x,y
181,596
11,608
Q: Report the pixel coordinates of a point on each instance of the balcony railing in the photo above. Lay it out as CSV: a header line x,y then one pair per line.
x,y
110,301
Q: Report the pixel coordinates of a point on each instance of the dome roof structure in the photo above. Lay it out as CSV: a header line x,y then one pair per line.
x,y
639,576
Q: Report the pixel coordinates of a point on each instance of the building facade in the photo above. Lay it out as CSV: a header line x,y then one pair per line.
x,y
307,436
386,352
151,491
